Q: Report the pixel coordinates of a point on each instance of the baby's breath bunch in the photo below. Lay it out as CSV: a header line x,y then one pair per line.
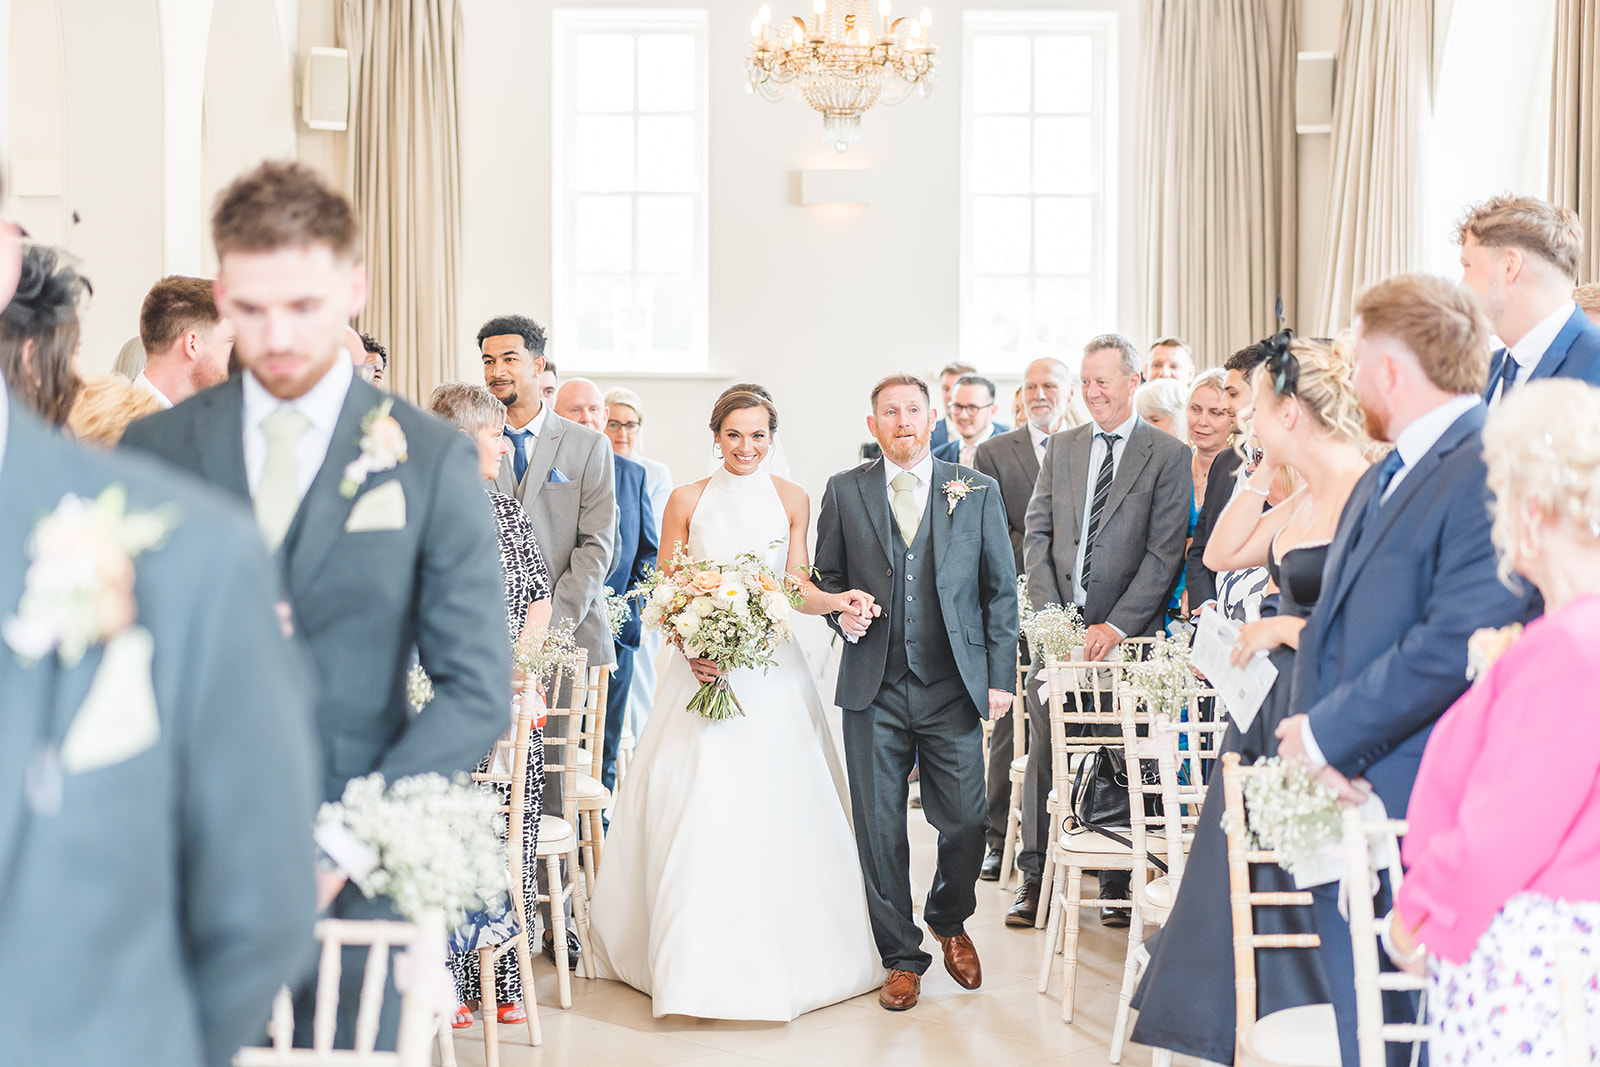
x,y
1289,811
539,653
419,688
1163,678
1055,632
618,611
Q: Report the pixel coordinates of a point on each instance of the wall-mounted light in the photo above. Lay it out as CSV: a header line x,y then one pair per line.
x,y
833,187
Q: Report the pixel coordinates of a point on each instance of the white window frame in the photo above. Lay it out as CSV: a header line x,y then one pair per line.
x,y
1101,26
568,24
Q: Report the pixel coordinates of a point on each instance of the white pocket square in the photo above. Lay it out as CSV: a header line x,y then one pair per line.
x,y
118,718
383,508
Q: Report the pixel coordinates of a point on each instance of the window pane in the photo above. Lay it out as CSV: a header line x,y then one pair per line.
x,y
667,151
1063,74
1000,235
999,155
666,72
595,299
603,64
666,234
1000,308
1000,74
1063,234
631,319
672,328
1062,156
603,233
1062,316
603,148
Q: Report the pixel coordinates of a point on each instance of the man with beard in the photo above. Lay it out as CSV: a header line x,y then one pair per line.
x,y
186,342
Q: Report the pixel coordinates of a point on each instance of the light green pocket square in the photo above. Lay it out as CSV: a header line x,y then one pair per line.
x,y
118,719
383,508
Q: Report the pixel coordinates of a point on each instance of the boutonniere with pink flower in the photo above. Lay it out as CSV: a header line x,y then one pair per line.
x,y
1486,646
956,490
383,447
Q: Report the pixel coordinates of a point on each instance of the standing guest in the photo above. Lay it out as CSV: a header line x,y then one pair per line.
x,y
1104,531
1019,412
625,427
1520,256
634,556
1410,576
949,374
370,507
104,407
186,341
130,358
1161,403
1012,460
1210,423
1503,854
548,381
377,360
39,335
1221,480
1169,358
972,409
482,418
1587,297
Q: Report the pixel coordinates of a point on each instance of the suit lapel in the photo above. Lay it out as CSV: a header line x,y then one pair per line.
x,y
941,516
219,436
1027,458
875,503
1134,456
1556,354
1078,448
1499,356
319,522
544,457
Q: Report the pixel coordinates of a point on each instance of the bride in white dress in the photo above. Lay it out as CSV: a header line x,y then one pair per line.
x,y
732,887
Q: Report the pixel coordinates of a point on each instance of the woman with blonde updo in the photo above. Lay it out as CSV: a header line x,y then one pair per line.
x,y
1503,855
1306,418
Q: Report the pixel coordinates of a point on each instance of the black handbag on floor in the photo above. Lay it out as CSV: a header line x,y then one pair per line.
x,y
1100,798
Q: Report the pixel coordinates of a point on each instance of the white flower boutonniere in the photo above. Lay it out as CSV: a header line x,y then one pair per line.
x,y
383,447
956,490
1487,645
78,591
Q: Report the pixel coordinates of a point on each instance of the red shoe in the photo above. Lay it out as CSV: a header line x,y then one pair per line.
x,y
511,1013
462,1018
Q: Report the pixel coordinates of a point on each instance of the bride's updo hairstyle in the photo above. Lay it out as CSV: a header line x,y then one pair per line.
x,y
741,396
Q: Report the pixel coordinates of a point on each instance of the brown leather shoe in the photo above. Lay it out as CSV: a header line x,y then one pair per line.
x,y
961,960
901,990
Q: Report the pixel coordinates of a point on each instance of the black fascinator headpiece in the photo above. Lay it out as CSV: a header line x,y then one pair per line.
x,y
48,293
1282,364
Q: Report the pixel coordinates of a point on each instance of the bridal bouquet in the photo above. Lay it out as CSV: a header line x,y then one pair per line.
x,y
733,614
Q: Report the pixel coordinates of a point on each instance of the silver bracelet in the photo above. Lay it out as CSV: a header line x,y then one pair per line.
x,y
1386,936
1262,493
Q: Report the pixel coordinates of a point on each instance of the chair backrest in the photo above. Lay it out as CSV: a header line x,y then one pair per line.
x,y
515,749
420,976
592,730
569,696
1243,901
1372,1033
1159,746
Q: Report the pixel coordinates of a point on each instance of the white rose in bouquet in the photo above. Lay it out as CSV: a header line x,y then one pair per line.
x,y
777,607
687,625
662,595
703,606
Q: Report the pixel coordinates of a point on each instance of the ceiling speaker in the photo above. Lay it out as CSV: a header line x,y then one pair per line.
x,y
325,89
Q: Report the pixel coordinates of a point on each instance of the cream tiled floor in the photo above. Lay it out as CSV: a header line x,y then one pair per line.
x,y
1006,1023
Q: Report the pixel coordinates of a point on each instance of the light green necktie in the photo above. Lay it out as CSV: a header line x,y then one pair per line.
x,y
904,504
278,491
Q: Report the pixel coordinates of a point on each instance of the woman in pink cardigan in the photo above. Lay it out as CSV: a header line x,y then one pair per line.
x,y
1503,878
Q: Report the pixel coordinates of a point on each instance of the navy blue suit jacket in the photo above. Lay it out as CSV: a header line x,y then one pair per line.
x,y
1575,353
949,448
1384,653
637,542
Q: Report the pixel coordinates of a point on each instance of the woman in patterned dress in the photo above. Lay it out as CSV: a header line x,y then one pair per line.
x,y
476,413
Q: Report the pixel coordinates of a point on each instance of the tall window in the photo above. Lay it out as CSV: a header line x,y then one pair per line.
x,y
630,189
1038,216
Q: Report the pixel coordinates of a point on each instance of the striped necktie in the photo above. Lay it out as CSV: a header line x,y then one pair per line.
x,y
1102,489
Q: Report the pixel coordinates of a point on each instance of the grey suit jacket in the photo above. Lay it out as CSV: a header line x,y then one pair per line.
x,y
1138,552
976,581
575,521
1010,459
362,600
148,919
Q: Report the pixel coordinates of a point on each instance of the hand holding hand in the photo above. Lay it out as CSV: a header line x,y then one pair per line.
x,y
854,624
704,670
999,703
1291,745
855,602
1100,639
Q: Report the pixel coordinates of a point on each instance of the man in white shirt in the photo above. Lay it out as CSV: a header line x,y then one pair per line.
x,y
972,408
943,429
1519,255
186,342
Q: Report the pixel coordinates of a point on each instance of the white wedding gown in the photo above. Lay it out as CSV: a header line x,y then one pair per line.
x,y
731,887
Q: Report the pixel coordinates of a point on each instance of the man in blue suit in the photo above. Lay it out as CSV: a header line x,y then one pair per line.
x,y
972,409
633,554
1520,256
1410,575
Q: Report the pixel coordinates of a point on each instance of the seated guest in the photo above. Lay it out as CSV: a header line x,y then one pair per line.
x,y
1161,403
972,410
376,367
1503,856
1019,412
476,413
186,341
104,407
39,335
625,427
548,381
1169,358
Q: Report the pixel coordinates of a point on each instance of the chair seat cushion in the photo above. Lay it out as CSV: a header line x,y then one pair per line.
x,y
1302,1037
1160,893
591,794
556,836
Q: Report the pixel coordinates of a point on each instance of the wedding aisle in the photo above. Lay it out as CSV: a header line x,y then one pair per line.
x,y
1004,1024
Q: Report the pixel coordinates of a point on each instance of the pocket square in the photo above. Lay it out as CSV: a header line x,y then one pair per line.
x,y
557,476
382,508
118,719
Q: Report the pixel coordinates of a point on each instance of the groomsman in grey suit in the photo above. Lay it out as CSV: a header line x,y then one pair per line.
x,y
926,539
373,510
1104,531
1012,459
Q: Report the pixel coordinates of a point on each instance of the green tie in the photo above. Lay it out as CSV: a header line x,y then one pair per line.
x,y
905,504
278,491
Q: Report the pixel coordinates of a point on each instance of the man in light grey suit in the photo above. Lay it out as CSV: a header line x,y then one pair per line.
x,y
374,510
1012,459
1104,531
927,540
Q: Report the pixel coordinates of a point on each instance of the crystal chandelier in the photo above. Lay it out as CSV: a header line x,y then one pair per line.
x,y
841,63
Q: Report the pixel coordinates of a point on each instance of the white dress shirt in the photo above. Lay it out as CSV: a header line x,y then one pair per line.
x,y
536,425
150,387
924,473
1040,439
1097,456
1531,349
320,405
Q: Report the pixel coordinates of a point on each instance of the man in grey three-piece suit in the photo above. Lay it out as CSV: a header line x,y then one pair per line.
x,y
1104,531
378,521
927,540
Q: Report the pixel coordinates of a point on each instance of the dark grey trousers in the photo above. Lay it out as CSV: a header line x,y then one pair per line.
x,y
936,728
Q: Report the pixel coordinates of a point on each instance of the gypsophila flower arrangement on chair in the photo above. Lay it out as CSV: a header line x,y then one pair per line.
x,y
1055,632
1289,811
1164,678
543,653
733,614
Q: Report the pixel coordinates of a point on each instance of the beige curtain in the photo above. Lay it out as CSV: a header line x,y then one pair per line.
x,y
1575,124
1382,107
405,173
1217,171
